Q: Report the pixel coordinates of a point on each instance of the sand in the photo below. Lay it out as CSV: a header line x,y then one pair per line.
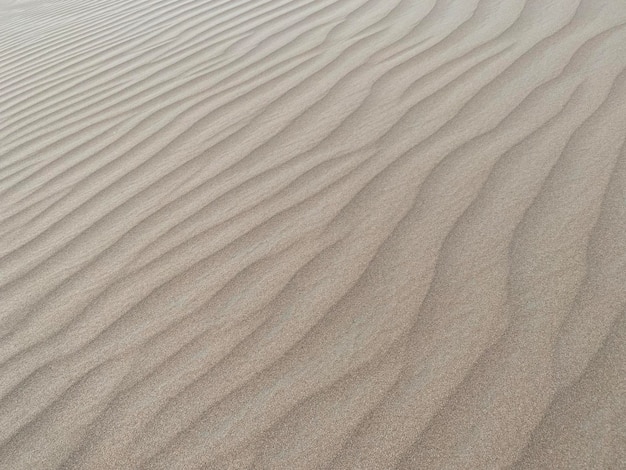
x,y
312,234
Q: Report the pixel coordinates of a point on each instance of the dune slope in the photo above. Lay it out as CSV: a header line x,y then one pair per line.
x,y
305,234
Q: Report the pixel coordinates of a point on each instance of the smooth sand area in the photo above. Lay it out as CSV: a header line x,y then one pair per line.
x,y
313,234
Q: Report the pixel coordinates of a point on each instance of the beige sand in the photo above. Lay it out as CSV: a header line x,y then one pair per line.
x,y
308,234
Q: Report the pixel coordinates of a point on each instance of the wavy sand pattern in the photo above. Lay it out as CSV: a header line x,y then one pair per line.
x,y
306,234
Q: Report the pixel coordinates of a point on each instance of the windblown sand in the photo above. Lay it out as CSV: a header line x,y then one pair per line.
x,y
312,234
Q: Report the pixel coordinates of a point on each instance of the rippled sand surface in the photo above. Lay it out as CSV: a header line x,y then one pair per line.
x,y
312,234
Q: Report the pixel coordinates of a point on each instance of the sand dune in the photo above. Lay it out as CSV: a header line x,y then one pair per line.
x,y
305,234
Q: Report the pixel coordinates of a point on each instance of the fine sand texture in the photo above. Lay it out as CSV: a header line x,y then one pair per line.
x,y
313,234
